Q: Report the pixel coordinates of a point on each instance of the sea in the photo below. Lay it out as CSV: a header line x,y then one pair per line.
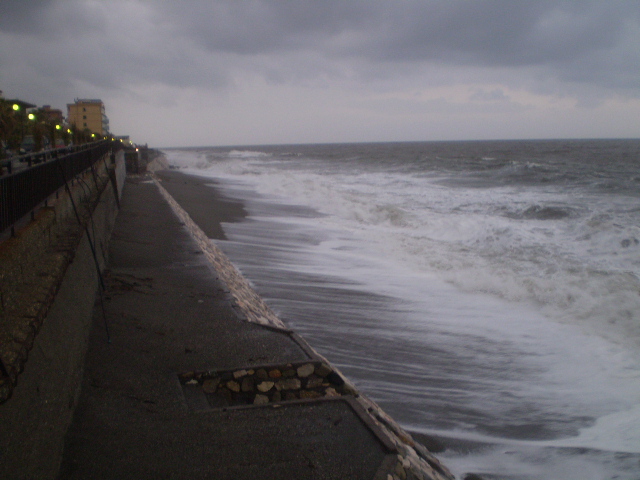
x,y
486,294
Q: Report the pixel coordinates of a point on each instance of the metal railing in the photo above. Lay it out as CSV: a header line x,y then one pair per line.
x,y
22,191
16,163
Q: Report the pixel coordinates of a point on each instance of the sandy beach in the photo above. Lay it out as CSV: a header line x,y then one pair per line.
x,y
207,207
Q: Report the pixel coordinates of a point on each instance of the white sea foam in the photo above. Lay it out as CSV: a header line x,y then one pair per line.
x,y
247,154
585,269
548,281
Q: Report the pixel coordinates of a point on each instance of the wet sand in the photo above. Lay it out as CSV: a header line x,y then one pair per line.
x,y
206,206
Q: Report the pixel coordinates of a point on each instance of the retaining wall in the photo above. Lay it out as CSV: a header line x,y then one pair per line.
x,y
48,282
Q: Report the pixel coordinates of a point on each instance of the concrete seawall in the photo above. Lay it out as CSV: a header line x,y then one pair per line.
x,y
48,282
183,327
413,459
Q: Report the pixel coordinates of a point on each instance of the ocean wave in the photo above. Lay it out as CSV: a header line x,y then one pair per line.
x,y
247,154
506,296
541,212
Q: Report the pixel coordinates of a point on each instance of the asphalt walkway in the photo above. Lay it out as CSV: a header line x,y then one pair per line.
x,y
173,393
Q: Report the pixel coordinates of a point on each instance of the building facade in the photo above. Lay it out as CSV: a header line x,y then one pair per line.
x,y
53,115
88,114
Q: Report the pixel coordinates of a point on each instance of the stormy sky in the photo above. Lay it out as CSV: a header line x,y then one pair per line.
x,y
206,72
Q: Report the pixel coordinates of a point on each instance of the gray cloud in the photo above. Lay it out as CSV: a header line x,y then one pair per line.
x,y
97,44
18,16
574,41
501,33
577,41
55,50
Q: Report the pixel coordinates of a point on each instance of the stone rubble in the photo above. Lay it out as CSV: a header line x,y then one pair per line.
x,y
309,381
260,386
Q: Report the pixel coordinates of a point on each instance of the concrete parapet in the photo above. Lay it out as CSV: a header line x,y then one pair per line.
x,y
48,280
246,301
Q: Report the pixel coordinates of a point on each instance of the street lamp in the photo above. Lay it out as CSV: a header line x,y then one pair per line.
x,y
55,133
16,109
34,130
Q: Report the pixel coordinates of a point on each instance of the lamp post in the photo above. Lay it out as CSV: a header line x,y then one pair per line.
x,y
16,109
37,139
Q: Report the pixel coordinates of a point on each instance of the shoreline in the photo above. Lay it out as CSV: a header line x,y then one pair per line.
x,y
200,195
207,208
197,192
268,240
189,370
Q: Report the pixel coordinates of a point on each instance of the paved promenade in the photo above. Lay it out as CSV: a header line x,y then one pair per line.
x,y
181,385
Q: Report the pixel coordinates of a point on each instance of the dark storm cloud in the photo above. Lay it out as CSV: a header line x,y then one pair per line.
x,y
479,32
101,44
499,33
49,20
18,16
199,43
576,40
259,27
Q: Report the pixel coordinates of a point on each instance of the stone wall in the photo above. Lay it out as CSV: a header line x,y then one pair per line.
x,y
48,281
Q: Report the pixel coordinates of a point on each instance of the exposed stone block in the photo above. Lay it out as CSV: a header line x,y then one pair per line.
x,y
323,370
233,386
261,400
265,386
210,385
305,370
247,384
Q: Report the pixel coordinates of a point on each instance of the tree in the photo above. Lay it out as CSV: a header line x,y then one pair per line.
x,y
38,129
10,126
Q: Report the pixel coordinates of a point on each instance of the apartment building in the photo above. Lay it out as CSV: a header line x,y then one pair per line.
x,y
88,114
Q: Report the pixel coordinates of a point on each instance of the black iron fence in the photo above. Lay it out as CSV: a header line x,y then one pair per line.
x,y
22,191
